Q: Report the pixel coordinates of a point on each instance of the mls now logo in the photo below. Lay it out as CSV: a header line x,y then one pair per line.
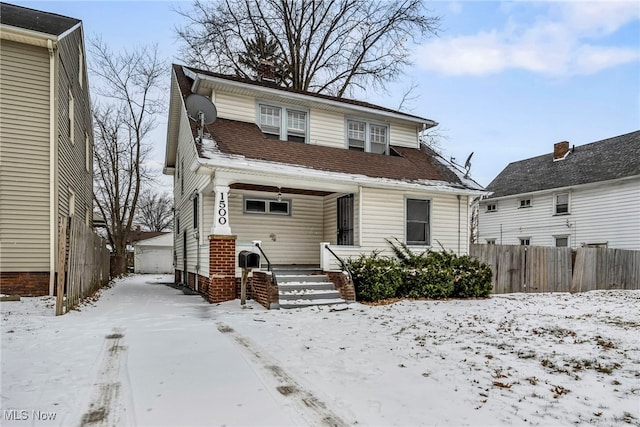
x,y
24,415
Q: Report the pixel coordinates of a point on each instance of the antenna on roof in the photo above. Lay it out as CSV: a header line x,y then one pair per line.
x,y
201,110
467,165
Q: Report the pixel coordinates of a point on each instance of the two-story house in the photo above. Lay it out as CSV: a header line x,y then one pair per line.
x,y
587,195
299,171
46,143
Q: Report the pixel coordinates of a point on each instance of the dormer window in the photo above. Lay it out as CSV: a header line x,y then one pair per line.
x,y
369,137
283,123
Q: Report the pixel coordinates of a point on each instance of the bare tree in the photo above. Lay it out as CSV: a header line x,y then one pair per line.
x,y
128,85
329,46
433,138
154,211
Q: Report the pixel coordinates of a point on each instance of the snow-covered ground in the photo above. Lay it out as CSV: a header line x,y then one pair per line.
x,y
145,354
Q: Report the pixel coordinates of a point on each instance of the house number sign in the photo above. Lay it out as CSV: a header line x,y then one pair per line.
x,y
222,210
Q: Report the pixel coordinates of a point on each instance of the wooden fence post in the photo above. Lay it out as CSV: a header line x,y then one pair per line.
x,y
62,251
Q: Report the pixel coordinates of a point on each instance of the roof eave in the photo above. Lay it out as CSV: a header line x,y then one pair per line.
x,y
30,37
198,77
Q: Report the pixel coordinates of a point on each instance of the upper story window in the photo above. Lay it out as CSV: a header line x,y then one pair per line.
x,y
283,123
492,207
525,203
369,137
561,203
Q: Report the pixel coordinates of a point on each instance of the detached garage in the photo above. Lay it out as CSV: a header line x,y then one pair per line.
x,y
154,255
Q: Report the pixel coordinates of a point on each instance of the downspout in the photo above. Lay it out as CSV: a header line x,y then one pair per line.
x,y
459,197
53,224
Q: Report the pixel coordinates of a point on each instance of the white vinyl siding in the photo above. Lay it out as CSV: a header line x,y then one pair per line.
x,y
331,218
403,135
286,239
235,107
605,212
326,128
24,157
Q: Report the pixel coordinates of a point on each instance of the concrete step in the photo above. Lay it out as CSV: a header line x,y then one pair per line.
x,y
311,295
301,286
309,303
285,278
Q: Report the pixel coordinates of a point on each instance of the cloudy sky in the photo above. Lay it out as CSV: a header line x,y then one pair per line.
x,y
505,80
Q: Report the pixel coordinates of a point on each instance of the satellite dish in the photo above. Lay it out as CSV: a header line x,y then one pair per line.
x,y
201,109
467,165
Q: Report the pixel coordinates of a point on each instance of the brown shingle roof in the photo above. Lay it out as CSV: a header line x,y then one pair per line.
x,y
246,139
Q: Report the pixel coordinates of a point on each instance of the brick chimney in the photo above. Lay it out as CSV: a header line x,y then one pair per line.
x,y
266,72
560,150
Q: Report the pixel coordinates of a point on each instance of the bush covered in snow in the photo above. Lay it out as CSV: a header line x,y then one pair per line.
x,y
428,274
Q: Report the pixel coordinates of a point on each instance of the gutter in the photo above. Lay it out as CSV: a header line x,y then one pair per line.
x,y
53,224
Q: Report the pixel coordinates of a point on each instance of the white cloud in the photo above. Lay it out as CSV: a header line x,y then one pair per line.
x,y
563,41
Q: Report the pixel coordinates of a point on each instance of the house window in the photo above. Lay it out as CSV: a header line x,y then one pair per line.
x,y
492,207
283,123
491,241
525,203
267,206
417,222
369,137
71,117
562,203
88,161
525,241
80,65
196,211
562,241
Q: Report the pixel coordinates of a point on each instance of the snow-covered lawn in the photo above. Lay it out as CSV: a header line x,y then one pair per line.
x,y
145,354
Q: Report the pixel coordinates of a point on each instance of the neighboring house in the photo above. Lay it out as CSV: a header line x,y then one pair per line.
x,y
296,170
154,255
46,143
587,195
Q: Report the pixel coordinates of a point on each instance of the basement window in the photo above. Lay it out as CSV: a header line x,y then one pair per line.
x,y
267,206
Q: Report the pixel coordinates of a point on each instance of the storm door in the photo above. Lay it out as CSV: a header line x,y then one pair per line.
x,y
345,220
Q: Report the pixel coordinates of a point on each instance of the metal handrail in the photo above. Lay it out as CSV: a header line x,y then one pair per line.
x,y
342,263
264,256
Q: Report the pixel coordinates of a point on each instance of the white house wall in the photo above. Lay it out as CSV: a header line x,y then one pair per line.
x,y
403,136
598,214
235,106
291,239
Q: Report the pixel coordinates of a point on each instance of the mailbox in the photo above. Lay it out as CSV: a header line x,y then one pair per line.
x,y
248,259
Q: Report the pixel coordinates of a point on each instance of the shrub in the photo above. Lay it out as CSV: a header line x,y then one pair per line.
x,y
424,275
374,277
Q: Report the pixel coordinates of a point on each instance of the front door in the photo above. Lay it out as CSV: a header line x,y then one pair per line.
x,y
345,220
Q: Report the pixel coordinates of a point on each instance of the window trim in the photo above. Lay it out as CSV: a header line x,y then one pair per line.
x,y
522,239
491,241
555,203
267,205
284,119
196,211
495,207
367,133
429,221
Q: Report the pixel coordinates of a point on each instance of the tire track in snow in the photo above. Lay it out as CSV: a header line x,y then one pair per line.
x,y
288,386
106,407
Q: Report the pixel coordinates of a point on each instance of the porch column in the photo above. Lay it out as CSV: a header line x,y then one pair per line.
x,y
222,268
221,225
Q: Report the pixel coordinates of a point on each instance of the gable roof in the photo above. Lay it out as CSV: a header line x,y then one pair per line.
x,y
612,158
35,20
246,140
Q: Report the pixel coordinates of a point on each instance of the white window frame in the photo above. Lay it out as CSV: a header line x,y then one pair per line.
x,y
72,203
267,206
524,203
564,236
428,222
555,203
522,241
369,127
495,207
491,241
283,131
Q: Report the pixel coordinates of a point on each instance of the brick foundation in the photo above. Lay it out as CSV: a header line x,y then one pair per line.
x,y
222,268
26,284
342,284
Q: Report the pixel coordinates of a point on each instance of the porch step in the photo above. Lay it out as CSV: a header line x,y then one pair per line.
x,y
304,287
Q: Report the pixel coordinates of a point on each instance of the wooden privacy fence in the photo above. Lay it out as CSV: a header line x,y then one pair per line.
x,y
83,263
550,269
